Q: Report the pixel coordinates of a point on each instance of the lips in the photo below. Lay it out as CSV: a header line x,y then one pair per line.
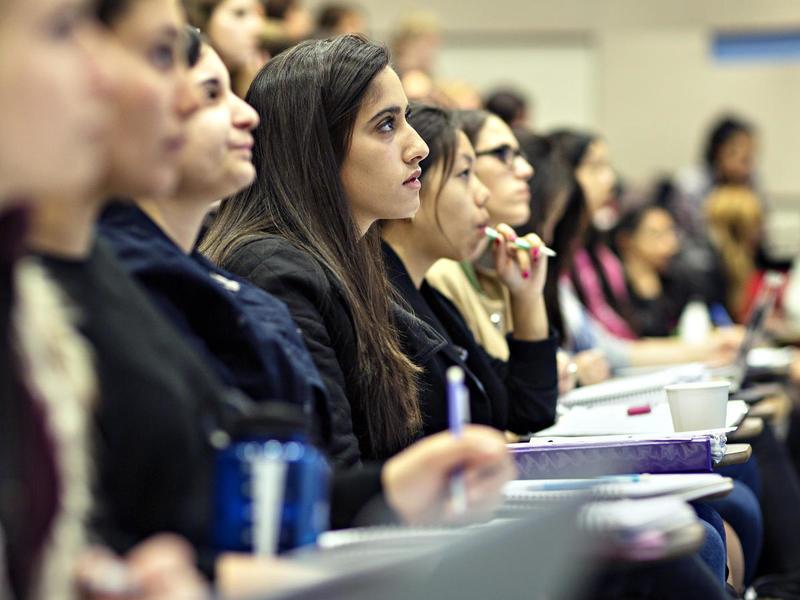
x,y
414,177
243,145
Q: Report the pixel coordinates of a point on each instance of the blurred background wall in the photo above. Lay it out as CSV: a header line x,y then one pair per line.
x,y
641,72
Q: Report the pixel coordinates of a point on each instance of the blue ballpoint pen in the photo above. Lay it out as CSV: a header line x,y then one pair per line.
x,y
458,414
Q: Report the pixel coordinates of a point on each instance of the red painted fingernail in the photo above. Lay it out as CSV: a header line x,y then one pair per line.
x,y
536,253
496,242
525,274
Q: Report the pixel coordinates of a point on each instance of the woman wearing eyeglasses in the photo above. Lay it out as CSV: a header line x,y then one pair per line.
x,y
519,394
473,285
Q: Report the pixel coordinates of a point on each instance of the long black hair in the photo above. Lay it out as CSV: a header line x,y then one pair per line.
x,y
721,132
552,191
308,98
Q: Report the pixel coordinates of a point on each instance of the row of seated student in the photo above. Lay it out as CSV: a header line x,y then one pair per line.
x,y
120,126
174,340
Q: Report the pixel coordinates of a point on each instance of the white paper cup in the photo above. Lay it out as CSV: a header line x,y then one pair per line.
x,y
699,405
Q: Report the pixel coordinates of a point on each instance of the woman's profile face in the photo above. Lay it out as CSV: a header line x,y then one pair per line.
x,y
596,176
54,98
380,172
217,159
655,240
503,170
235,29
453,216
153,101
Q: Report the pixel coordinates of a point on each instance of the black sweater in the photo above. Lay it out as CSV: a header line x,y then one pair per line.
x,y
317,304
519,395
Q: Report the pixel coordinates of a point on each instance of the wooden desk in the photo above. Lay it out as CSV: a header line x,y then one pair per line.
x,y
735,454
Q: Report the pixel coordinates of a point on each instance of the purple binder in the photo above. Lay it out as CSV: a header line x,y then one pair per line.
x,y
568,459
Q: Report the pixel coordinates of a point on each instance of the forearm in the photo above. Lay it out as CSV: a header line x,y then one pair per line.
x,y
668,351
530,317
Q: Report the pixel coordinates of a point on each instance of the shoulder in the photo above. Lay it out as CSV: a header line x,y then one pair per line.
x,y
273,262
448,277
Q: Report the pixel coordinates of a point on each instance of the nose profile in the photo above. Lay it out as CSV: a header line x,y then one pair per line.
x,y
244,116
522,168
416,149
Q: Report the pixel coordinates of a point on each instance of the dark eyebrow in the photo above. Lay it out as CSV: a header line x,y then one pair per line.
x,y
169,31
390,110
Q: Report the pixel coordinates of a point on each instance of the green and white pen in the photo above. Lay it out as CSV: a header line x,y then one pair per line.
x,y
520,243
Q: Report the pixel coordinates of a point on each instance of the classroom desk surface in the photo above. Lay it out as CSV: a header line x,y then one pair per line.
x,y
736,454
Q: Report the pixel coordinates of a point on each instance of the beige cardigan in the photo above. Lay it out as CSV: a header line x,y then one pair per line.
x,y
487,310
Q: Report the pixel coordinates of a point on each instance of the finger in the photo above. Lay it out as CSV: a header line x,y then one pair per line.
x,y
536,245
523,259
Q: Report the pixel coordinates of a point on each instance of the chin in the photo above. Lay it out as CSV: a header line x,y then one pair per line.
x,y
409,208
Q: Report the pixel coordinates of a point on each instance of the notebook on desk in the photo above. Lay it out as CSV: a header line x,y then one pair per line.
x,y
553,458
639,389
613,419
685,486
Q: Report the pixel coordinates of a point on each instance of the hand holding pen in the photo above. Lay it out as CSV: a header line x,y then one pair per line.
x,y
520,262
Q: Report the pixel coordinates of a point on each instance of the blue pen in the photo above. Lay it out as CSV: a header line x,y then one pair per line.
x,y
458,414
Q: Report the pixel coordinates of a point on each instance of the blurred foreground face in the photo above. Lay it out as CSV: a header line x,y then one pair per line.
x,y
235,29
153,99
53,112
217,159
736,158
596,176
655,240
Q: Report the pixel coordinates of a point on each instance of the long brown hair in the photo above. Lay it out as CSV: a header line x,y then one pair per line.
x,y
308,98
735,217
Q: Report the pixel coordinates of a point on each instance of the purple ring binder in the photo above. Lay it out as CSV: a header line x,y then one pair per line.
x,y
565,459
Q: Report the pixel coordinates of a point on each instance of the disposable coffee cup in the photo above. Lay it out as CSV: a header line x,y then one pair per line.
x,y
699,405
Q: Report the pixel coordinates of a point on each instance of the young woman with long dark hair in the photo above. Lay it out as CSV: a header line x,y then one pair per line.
x,y
518,394
334,154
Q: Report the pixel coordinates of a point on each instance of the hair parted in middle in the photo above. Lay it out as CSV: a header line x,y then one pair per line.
x,y
308,98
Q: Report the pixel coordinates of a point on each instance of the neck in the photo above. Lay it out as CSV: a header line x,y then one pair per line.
x,y
643,277
65,226
179,218
411,251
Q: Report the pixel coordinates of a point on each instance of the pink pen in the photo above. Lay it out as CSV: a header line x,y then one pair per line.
x,y
638,410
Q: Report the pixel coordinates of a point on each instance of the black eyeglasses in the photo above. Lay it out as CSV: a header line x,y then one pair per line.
x,y
505,154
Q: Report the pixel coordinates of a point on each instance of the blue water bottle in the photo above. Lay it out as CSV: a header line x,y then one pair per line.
x,y
272,485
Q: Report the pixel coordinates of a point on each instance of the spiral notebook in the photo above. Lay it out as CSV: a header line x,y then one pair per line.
x,y
638,389
686,486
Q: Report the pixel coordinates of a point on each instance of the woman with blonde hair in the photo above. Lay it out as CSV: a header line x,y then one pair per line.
x,y
734,226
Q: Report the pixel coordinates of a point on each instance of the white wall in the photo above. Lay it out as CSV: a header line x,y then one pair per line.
x,y
559,76
639,71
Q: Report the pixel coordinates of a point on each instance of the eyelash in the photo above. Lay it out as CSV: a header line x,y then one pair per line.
x,y
384,123
465,173
393,122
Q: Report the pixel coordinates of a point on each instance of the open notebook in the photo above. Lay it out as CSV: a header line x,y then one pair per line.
x,y
687,486
613,419
639,389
